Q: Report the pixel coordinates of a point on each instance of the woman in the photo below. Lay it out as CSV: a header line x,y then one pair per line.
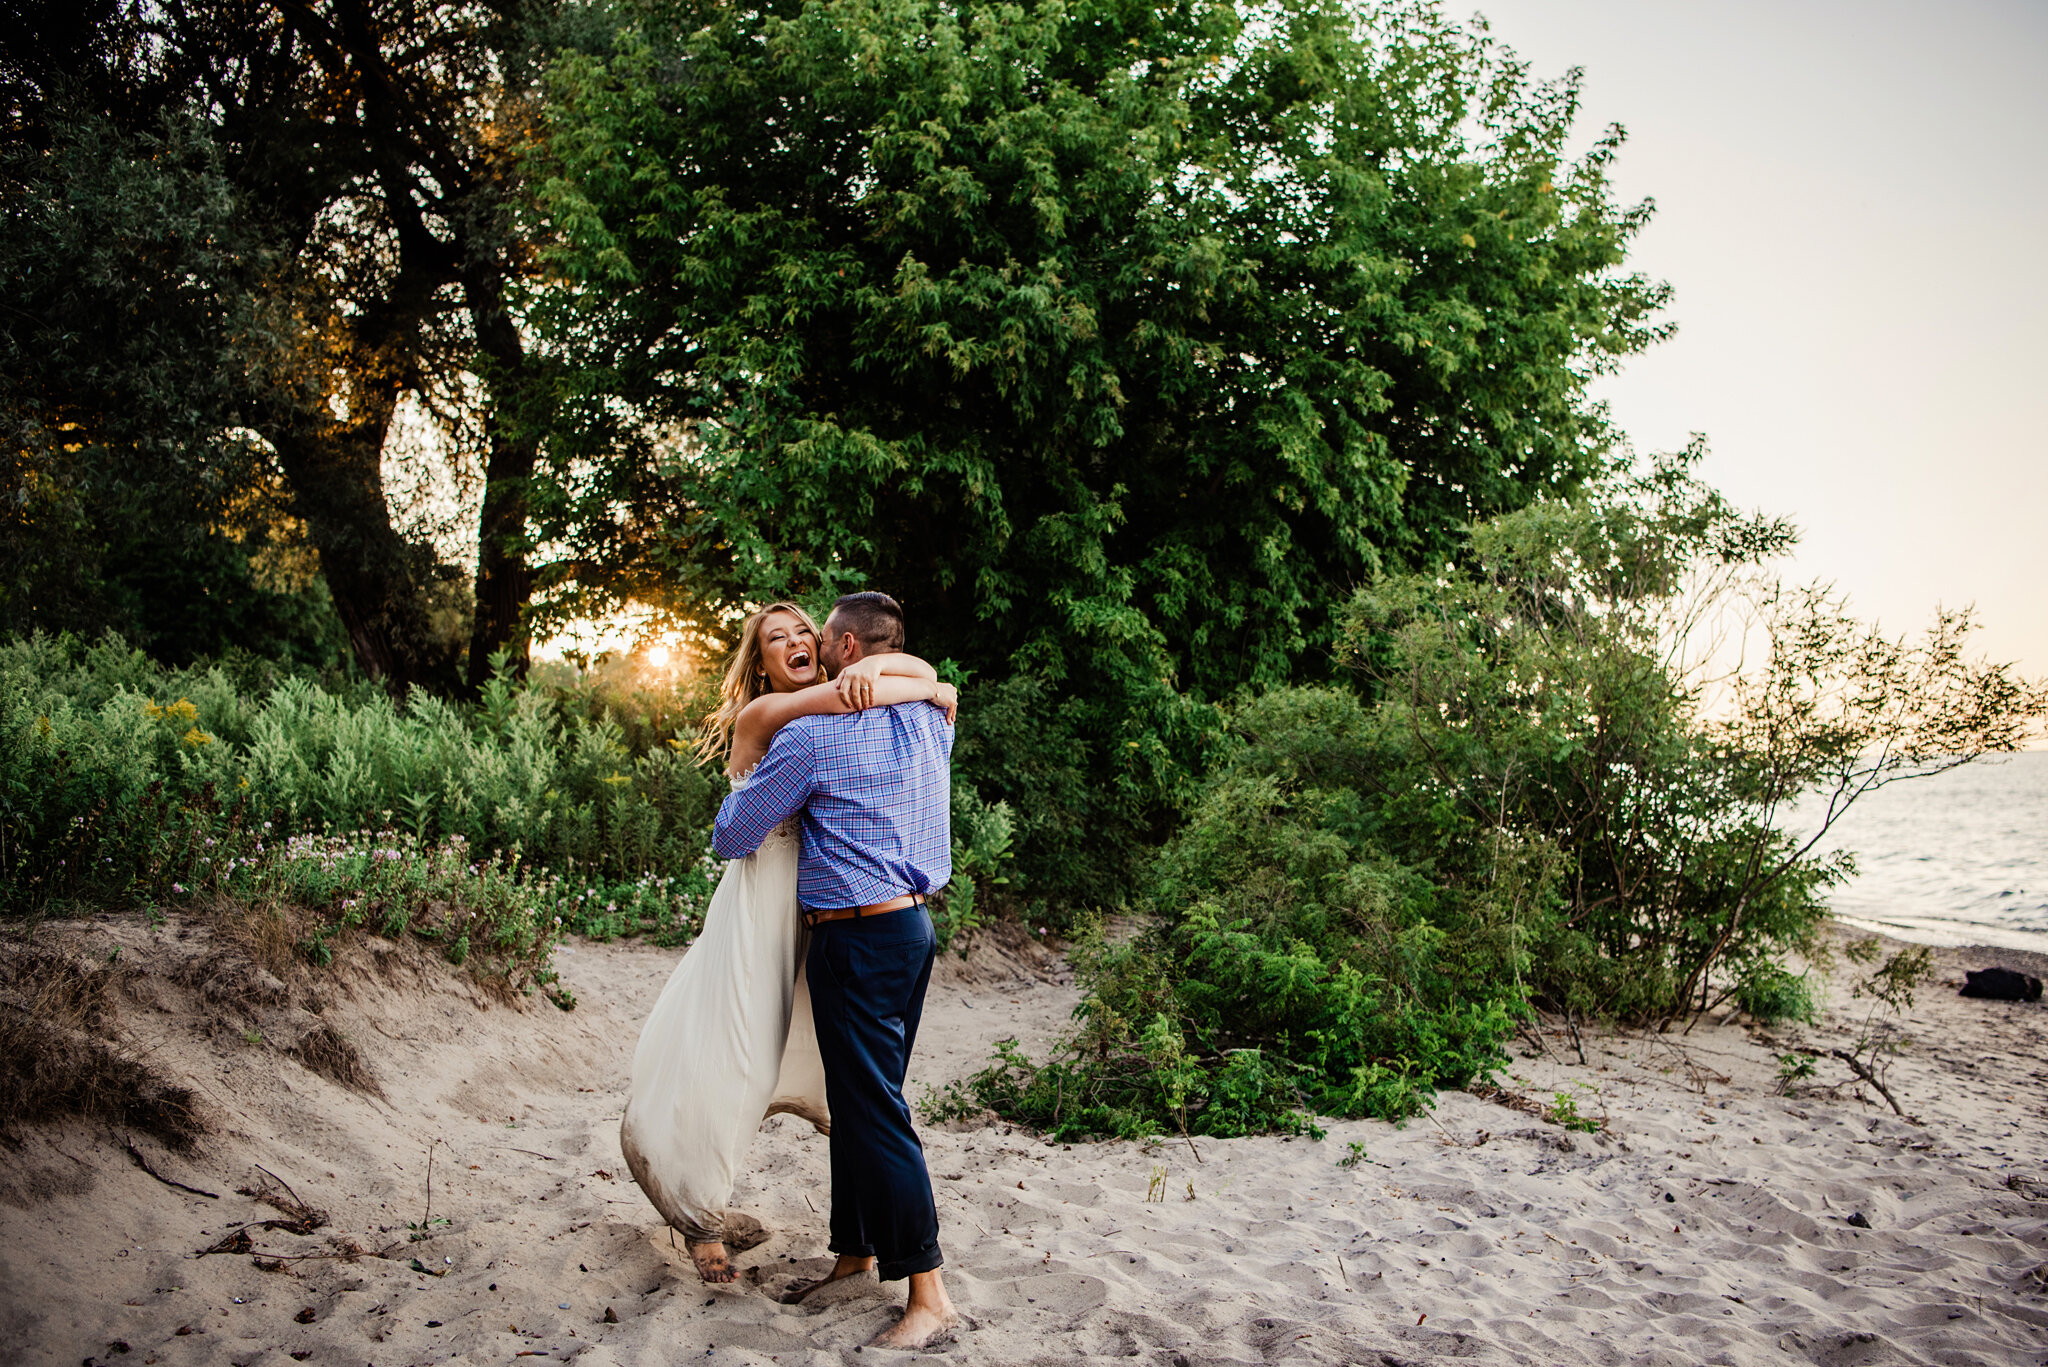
x,y
731,1041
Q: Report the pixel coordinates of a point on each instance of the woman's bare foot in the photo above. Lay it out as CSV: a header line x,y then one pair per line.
x,y
928,1319
844,1268
712,1264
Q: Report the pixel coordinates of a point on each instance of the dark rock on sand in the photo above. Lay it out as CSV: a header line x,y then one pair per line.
x,y
2001,984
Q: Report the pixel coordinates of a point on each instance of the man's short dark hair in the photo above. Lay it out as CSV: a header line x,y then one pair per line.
x,y
875,619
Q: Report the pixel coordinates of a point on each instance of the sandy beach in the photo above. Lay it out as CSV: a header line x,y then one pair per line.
x,y
1709,1222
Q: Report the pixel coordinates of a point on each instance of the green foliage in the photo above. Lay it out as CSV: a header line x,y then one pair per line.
x,y
981,860
1893,982
1559,687
120,781
1793,1069
1150,311
1890,987
1081,810
1563,1111
1291,968
252,252
1287,973
1527,800
135,499
1770,994
482,912
668,909
1118,342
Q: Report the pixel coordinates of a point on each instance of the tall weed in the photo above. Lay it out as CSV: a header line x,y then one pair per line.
x,y
121,781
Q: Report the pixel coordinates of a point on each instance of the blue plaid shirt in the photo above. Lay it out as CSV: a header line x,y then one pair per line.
x,y
875,790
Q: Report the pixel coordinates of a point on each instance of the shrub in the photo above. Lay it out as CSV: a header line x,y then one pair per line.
x,y
118,779
1289,967
1089,796
981,861
1568,683
1528,799
1770,994
481,911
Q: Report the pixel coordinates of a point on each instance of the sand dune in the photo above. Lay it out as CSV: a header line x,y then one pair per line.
x,y
1711,1223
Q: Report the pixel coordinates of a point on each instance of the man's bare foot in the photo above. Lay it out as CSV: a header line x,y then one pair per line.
x,y
917,1329
844,1268
929,1318
711,1261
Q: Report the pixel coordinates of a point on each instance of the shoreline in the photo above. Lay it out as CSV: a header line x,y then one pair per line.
x,y
2026,960
2033,944
1711,1221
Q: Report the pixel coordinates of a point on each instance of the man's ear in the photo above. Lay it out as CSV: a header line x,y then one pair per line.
x,y
849,648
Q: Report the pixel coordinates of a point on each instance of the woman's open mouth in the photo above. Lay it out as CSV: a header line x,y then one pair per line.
x,y
799,661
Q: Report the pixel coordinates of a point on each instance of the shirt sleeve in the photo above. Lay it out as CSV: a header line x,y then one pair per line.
x,y
776,790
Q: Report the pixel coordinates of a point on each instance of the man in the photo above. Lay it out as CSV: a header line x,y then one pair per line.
x,y
875,793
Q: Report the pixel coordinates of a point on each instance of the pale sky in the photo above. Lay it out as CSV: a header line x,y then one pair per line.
x,y
1852,206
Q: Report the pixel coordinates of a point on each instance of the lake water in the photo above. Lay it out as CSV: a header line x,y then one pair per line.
x,y
1959,858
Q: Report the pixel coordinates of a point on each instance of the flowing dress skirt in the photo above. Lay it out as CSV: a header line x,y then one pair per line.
x,y
729,1043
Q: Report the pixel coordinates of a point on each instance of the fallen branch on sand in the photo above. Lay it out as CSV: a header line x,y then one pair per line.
x,y
1501,1096
236,1241
143,1163
1857,1066
300,1218
338,1250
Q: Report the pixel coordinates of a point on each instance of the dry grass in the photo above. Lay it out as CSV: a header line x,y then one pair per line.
x,y
267,932
230,970
61,1055
328,1052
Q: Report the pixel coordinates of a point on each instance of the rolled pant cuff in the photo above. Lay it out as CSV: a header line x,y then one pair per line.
x,y
924,1260
855,1251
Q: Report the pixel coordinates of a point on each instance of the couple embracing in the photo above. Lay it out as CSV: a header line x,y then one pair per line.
x,y
804,991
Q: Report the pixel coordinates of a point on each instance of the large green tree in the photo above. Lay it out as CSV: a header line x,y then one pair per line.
x,y
257,228
1118,339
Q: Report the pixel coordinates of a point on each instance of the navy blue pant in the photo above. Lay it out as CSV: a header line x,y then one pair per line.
x,y
868,978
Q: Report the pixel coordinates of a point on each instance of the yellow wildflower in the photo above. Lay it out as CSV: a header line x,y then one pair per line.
x,y
180,711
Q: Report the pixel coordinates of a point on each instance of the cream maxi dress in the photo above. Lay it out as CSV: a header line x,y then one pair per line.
x,y
730,1043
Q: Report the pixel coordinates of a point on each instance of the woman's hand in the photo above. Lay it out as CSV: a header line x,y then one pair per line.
x,y
946,698
856,682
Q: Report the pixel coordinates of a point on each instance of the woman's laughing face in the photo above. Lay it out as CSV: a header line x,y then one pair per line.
x,y
789,652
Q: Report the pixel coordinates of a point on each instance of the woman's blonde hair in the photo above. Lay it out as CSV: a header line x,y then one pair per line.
x,y
746,678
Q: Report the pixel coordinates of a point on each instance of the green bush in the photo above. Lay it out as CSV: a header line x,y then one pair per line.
x,y
1560,688
1289,968
1524,800
666,908
1090,789
482,911
981,864
119,779
1771,994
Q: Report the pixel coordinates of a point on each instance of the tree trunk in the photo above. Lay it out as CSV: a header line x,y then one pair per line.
x,y
379,581
504,579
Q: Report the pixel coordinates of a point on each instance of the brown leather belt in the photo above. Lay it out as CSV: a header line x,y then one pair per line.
x,y
818,915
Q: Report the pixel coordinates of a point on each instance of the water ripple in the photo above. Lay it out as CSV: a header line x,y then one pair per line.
x,y
1960,858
